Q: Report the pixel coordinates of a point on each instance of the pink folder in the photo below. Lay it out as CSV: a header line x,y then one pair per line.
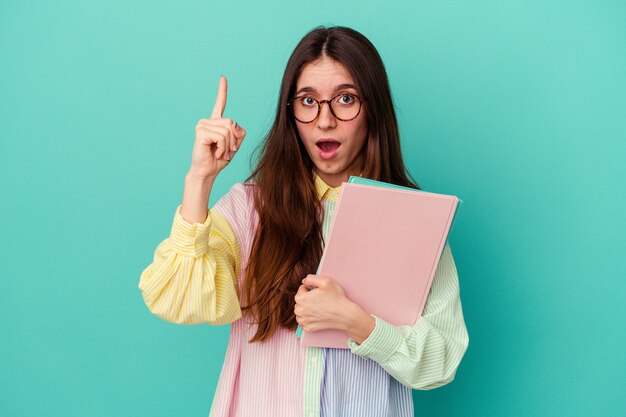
x,y
383,248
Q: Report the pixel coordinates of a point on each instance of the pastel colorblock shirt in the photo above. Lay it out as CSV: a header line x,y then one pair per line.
x,y
194,278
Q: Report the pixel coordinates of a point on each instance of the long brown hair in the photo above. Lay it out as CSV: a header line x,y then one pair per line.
x,y
288,241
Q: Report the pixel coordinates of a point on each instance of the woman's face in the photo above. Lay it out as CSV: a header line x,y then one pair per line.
x,y
334,146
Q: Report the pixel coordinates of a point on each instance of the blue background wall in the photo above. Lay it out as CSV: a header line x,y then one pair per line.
x,y
516,107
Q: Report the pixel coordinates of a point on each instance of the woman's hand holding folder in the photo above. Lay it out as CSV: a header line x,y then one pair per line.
x,y
327,307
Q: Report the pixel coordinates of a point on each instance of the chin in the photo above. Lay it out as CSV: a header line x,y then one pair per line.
x,y
330,171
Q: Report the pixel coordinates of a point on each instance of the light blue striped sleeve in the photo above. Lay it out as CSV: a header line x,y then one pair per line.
x,y
426,355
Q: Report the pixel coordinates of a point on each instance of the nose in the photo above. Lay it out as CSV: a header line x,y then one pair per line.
x,y
326,119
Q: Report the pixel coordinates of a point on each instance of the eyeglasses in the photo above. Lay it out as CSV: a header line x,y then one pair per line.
x,y
344,107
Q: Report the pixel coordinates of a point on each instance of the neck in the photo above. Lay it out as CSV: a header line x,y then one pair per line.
x,y
334,180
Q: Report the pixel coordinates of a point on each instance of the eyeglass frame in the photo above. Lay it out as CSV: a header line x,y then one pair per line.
x,y
319,107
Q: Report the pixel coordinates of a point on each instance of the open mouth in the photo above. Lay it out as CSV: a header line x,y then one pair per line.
x,y
327,148
328,145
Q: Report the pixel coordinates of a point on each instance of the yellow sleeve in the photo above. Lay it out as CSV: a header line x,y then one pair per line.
x,y
193,276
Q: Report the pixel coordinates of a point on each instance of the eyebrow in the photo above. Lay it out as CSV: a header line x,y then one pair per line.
x,y
337,88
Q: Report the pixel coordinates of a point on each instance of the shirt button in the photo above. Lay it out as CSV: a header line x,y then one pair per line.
x,y
313,361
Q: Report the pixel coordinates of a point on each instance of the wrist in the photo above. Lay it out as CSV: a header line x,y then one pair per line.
x,y
195,178
360,324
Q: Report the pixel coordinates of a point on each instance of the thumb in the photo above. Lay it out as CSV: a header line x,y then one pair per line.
x,y
239,131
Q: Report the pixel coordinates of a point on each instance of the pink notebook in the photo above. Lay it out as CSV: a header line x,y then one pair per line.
x,y
383,248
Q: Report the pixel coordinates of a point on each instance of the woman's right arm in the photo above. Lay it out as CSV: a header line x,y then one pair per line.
x,y
193,276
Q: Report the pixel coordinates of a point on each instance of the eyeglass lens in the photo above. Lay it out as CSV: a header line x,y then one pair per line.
x,y
344,107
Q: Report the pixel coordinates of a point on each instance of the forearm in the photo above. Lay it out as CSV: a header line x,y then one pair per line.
x,y
419,356
192,277
427,354
196,198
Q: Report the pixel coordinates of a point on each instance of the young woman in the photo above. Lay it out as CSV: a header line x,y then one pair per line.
x,y
251,259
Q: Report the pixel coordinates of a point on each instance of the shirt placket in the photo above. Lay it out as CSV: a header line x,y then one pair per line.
x,y
315,357
313,374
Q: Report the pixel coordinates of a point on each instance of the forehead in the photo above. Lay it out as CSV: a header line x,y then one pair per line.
x,y
323,75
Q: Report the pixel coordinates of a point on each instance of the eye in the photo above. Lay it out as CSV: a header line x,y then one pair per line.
x,y
346,99
308,101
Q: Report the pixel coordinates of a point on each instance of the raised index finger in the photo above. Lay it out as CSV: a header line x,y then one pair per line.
x,y
220,101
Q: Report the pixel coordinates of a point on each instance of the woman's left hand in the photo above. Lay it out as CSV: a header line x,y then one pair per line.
x,y
327,307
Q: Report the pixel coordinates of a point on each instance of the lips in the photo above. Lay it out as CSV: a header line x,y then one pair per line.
x,y
327,148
